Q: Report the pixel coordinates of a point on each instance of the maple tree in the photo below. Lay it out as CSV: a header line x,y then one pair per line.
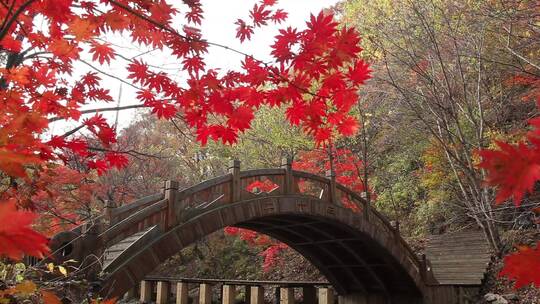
x,y
316,74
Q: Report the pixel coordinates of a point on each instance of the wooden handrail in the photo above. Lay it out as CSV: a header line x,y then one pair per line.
x,y
236,282
142,202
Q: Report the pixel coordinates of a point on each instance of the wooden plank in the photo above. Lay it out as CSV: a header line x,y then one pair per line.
x,y
205,293
257,295
146,291
286,295
228,294
326,296
182,293
162,296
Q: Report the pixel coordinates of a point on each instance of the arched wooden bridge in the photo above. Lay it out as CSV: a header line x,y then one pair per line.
x,y
359,252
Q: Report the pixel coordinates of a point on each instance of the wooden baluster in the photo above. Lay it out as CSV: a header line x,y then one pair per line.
x,y
326,296
236,192
332,187
310,294
229,294
162,296
286,295
205,293
366,205
171,190
109,208
286,163
256,294
182,293
146,291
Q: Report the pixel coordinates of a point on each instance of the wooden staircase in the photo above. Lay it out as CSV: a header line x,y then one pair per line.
x,y
459,258
114,255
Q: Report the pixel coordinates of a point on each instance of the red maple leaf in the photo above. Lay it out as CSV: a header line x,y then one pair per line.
x,y
193,64
163,109
279,16
359,72
281,49
523,266
138,71
196,12
116,160
348,126
243,31
99,165
241,118
514,169
102,52
259,15
10,44
17,238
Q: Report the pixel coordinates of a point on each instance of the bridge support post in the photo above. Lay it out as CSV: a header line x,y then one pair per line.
x,y
309,294
205,293
234,170
162,296
286,295
331,174
286,163
171,188
181,293
146,292
229,294
256,295
326,296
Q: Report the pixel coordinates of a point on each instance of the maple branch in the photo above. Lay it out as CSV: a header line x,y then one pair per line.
x,y
136,106
10,9
8,25
176,33
71,132
130,152
110,75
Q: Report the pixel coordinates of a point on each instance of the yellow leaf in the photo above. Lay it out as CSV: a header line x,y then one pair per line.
x,y
50,298
50,266
25,288
62,270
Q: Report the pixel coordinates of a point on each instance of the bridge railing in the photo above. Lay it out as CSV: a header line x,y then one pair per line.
x,y
205,291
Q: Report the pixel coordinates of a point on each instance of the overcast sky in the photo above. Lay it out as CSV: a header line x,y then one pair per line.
x,y
218,26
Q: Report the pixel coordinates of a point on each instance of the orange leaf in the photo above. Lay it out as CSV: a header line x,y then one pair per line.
x,y
50,298
12,163
82,29
16,236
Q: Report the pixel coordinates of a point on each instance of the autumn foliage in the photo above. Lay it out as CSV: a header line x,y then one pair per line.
x,y
514,170
316,75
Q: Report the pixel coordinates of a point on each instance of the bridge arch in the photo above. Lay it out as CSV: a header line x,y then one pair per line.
x,y
354,246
